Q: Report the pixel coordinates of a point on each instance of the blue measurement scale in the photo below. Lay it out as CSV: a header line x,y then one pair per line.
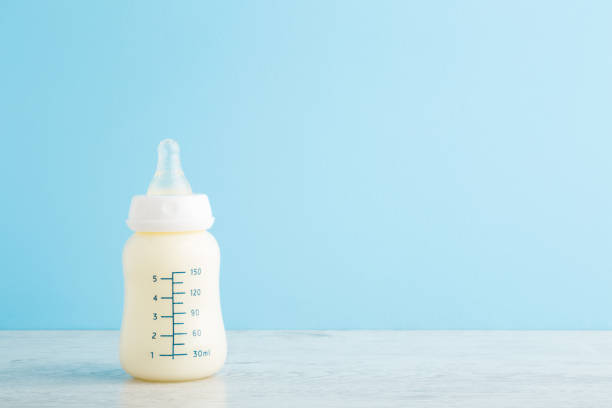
x,y
174,297
177,331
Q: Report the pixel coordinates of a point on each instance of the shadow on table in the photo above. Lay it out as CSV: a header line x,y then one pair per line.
x,y
57,373
113,381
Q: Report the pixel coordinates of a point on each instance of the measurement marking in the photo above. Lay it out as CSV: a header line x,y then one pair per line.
x,y
165,335
165,355
172,290
179,313
176,283
166,297
178,293
166,317
181,354
179,272
166,279
178,303
179,334
178,323
179,344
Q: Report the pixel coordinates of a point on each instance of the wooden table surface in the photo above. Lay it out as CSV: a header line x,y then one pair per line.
x,y
323,369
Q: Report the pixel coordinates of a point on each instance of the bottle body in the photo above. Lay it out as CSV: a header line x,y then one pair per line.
x,y
172,328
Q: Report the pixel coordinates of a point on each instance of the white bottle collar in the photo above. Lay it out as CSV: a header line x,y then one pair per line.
x,y
170,213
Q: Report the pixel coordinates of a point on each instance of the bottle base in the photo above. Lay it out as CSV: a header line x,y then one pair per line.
x,y
165,375
174,380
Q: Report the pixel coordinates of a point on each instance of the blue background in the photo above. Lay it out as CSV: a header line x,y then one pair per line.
x,y
405,165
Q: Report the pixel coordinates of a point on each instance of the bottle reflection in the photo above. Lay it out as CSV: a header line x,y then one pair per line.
x,y
209,392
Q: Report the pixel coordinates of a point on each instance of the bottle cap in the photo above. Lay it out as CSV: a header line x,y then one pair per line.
x,y
169,205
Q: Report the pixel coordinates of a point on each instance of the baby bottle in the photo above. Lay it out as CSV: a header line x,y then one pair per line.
x,y
172,328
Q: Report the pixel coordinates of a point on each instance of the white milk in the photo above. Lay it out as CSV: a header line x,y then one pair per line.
x,y
172,327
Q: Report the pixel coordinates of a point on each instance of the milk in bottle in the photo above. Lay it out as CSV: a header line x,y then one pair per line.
x,y
172,328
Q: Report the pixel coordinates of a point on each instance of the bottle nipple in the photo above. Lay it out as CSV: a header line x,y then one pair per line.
x,y
169,178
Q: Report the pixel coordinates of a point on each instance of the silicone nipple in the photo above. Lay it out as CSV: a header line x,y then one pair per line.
x,y
169,178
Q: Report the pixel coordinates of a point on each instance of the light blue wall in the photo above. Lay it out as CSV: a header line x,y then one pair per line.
x,y
407,165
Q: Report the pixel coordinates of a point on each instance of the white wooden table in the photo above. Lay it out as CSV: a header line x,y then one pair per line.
x,y
322,369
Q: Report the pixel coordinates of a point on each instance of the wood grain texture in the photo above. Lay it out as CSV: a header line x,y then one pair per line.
x,y
322,369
